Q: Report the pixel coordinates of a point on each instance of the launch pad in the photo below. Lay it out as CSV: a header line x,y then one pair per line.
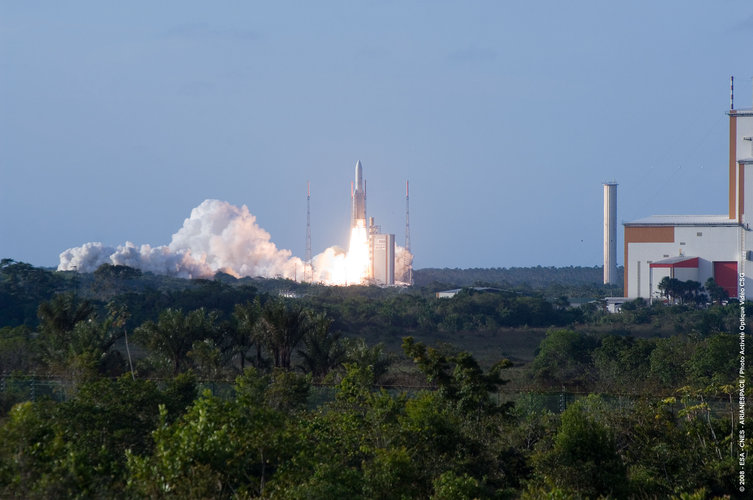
x,y
379,268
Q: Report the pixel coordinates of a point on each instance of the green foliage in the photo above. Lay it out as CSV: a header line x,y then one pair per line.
x,y
622,363
61,314
188,456
368,312
327,480
287,391
323,350
116,272
450,486
359,353
265,437
672,448
72,341
538,277
714,361
564,359
77,449
684,292
16,349
29,450
283,326
668,360
390,474
127,438
206,358
459,378
219,447
434,432
175,334
246,332
22,288
110,279
584,457
717,294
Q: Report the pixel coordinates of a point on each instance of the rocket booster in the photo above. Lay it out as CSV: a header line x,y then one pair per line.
x,y
359,198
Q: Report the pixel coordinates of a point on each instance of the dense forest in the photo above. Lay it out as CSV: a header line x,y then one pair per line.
x,y
537,278
122,384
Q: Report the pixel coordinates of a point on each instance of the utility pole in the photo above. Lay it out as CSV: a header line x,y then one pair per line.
x,y
307,270
408,263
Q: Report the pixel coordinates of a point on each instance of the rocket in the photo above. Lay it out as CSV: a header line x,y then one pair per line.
x,y
358,197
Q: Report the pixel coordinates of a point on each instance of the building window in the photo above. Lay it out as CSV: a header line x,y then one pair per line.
x,y
699,234
682,243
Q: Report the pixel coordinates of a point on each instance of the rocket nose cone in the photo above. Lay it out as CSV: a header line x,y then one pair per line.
x,y
359,174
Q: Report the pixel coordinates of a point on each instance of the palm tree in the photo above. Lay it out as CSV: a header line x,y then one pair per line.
x,y
323,349
247,331
57,319
174,334
61,314
360,354
282,327
72,339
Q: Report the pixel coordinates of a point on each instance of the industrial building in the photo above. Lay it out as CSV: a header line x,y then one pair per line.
x,y
698,247
610,233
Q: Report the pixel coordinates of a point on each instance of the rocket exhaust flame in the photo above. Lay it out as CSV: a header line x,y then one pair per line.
x,y
357,261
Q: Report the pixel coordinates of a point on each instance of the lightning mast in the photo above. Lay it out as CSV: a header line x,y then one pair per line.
x,y
408,262
307,270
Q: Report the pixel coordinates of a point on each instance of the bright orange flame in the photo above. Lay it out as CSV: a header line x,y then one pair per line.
x,y
357,260
334,267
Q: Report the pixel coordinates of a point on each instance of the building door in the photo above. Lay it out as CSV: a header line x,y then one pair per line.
x,y
725,275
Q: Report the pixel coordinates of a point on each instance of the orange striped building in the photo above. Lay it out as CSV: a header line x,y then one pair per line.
x,y
698,247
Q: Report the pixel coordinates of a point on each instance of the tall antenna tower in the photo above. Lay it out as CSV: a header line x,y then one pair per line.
x,y
408,256
731,93
307,270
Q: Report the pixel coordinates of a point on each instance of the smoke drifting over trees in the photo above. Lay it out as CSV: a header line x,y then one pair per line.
x,y
218,236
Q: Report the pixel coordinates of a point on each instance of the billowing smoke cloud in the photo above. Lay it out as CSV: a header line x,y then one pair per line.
x,y
216,237
403,264
329,266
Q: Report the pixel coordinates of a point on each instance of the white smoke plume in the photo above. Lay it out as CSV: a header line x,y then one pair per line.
x,y
216,237
403,265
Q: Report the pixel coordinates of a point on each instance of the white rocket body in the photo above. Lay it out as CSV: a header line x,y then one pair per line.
x,y
359,199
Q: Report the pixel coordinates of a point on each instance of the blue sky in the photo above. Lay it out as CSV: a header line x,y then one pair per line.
x,y
116,119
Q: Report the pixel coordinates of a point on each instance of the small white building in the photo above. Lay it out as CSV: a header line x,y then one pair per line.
x,y
383,258
698,247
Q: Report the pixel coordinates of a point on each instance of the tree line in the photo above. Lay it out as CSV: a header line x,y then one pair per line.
x,y
134,438
153,433
357,310
538,277
74,341
135,421
623,364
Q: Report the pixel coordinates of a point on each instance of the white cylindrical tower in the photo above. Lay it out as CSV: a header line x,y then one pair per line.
x,y
610,233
